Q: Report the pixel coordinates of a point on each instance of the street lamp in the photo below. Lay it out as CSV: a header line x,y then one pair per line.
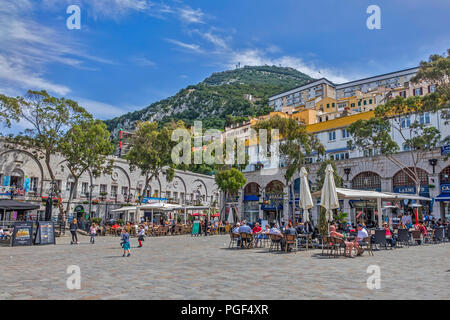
x,y
347,171
12,191
90,198
49,203
433,163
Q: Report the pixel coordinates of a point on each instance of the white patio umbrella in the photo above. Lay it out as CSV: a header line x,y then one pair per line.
x,y
329,198
306,201
230,217
138,214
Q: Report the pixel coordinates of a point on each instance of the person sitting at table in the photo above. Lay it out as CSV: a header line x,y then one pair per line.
x,y
257,230
300,228
348,245
244,228
423,231
2,234
390,237
289,230
274,230
362,234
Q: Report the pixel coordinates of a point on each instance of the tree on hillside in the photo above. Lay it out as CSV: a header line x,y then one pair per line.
x,y
150,152
9,110
86,147
230,181
50,118
295,145
408,119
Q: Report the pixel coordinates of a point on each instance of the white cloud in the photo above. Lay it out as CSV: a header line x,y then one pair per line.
x,y
193,47
189,15
215,39
142,61
256,57
101,110
15,71
30,46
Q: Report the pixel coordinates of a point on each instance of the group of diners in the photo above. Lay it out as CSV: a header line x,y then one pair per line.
x,y
355,238
260,233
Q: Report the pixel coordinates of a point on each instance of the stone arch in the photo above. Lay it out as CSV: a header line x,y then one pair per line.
x,y
175,186
126,175
33,157
204,185
252,188
402,179
274,184
444,175
367,180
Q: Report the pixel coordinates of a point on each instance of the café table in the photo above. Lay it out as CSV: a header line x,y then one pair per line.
x,y
221,229
306,237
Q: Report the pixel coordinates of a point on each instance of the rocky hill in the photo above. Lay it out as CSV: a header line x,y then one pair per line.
x,y
221,99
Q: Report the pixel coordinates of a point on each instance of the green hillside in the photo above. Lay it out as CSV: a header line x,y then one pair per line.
x,y
221,99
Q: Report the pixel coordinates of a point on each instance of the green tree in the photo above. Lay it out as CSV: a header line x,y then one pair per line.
x,y
230,181
49,119
295,144
9,110
436,71
321,174
403,117
150,152
86,147
323,223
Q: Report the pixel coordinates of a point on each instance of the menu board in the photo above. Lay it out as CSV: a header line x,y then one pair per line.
x,y
22,234
45,233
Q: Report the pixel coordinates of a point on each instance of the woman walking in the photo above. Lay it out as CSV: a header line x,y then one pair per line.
x,y
73,230
126,242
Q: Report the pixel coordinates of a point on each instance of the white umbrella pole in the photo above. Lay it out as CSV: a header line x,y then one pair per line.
x,y
152,217
380,213
184,215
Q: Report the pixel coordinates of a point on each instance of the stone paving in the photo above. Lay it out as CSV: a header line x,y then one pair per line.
x,y
185,267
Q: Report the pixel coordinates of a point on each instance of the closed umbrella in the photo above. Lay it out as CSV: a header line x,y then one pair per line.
x,y
329,198
306,201
138,214
230,217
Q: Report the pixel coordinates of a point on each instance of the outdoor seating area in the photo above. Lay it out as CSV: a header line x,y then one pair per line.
x,y
334,246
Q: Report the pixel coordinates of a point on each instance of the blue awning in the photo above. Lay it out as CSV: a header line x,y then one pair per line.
x,y
443,197
251,198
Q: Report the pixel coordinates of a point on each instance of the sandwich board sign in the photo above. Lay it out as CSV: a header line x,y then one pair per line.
x,y
22,234
45,233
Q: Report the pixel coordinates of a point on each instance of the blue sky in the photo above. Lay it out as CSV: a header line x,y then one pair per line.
x,y
130,53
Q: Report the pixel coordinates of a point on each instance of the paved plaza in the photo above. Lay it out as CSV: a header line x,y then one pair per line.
x,y
185,267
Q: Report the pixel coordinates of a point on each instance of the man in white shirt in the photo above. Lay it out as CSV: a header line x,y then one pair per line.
x,y
362,234
275,230
236,228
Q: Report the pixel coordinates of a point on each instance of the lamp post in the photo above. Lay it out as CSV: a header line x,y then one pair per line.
x,y
347,172
433,163
12,190
90,198
49,203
